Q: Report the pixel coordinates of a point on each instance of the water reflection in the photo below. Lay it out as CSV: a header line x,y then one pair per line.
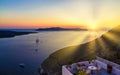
x,y
32,49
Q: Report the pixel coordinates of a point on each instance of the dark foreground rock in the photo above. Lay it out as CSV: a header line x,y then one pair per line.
x,y
8,33
107,46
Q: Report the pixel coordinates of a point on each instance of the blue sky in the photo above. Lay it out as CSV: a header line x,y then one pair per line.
x,y
46,13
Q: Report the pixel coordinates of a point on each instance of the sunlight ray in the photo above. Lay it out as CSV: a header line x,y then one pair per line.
x,y
112,37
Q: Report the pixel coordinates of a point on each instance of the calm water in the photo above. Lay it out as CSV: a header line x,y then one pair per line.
x,y
22,49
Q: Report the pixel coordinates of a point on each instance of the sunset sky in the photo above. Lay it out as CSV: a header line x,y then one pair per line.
x,y
62,13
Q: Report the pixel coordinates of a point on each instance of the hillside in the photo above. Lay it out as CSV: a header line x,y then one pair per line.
x,y
107,46
10,33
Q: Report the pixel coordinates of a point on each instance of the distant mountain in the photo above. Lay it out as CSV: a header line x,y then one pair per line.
x,y
107,46
10,33
60,29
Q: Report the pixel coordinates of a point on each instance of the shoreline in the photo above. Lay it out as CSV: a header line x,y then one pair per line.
x,y
10,33
87,51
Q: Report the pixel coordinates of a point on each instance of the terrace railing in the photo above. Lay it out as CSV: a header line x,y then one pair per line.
x,y
108,62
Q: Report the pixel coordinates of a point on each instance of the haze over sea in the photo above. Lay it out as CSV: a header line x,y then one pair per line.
x,y
24,49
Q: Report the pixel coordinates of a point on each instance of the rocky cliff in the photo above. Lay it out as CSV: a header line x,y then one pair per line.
x,y
107,46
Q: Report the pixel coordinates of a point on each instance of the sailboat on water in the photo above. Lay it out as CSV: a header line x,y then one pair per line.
x,y
37,41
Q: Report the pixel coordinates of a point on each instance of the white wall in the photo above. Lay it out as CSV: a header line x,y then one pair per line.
x,y
103,65
108,62
65,71
116,71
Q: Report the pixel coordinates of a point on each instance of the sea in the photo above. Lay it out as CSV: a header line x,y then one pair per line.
x,y
23,55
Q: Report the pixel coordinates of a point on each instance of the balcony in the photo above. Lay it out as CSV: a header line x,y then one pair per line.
x,y
98,66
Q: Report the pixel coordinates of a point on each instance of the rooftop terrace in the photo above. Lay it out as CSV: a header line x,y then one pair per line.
x,y
98,66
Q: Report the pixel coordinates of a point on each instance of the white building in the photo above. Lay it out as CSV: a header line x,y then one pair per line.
x,y
104,64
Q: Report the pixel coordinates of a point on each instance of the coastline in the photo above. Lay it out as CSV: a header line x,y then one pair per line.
x,y
88,51
10,33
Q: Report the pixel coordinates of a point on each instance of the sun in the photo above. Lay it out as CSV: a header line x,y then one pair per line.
x,y
93,27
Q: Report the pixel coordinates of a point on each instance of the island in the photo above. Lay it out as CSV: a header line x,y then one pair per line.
x,y
6,33
61,29
10,33
107,46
